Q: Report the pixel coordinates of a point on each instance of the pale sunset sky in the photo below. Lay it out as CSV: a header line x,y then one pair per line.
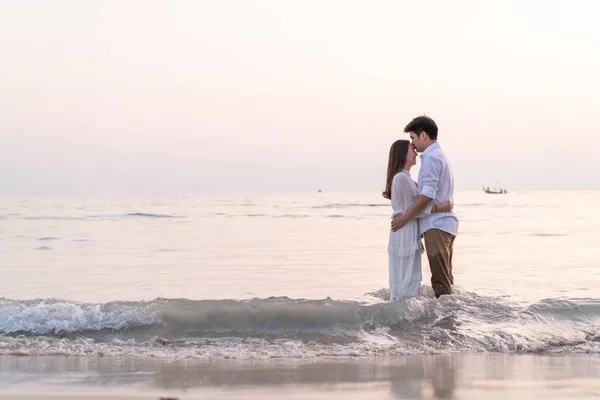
x,y
229,96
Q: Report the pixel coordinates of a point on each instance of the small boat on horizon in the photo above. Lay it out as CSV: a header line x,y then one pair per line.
x,y
494,190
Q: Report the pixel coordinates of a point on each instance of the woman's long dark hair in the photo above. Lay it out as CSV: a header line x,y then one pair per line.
x,y
396,163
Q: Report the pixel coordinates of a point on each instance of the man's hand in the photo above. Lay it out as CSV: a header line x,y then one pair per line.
x,y
399,221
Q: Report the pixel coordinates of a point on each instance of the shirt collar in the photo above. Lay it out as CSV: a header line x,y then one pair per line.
x,y
428,150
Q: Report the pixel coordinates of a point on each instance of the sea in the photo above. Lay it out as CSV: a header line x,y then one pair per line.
x,y
246,277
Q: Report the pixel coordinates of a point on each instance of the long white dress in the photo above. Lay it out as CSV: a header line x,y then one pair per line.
x,y
404,247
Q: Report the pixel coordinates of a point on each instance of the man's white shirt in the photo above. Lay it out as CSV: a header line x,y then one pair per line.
x,y
437,182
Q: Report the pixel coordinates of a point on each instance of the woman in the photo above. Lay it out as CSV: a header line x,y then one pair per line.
x,y
404,247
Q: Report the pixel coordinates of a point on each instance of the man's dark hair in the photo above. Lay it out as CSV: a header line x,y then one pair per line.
x,y
423,124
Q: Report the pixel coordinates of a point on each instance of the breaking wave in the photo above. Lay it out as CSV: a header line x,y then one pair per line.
x,y
284,327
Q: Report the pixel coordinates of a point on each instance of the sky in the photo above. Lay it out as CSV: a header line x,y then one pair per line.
x,y
159,97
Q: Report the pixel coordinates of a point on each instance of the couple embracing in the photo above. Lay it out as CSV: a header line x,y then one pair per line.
x,y
421,209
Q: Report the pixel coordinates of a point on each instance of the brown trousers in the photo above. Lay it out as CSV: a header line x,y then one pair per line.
x,y
439,246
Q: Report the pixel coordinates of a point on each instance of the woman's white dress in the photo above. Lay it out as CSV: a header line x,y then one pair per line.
x,y
404,247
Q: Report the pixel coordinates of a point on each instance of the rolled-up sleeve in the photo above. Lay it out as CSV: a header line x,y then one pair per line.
x,y
432,170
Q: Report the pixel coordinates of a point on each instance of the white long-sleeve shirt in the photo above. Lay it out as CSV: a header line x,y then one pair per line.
x,y
404,242
437,182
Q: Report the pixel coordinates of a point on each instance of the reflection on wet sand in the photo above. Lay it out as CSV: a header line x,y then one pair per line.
x,y
409,377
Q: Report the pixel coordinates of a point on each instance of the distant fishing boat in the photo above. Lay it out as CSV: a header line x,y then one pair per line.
x,y
494,190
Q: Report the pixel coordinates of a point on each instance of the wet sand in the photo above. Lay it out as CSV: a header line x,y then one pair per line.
x,y
454,376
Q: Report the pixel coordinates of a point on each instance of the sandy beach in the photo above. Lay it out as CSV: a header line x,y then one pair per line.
x,y
473,376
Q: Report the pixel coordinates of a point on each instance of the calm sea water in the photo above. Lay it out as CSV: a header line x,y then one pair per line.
x,y
290,275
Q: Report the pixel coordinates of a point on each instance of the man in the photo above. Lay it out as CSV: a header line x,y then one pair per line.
x,y
436,184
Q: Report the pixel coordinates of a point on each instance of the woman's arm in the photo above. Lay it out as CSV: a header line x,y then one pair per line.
x,y
401,188
401,219
446,206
